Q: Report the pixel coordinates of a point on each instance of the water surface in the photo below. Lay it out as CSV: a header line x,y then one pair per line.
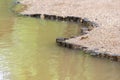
x,y
28,51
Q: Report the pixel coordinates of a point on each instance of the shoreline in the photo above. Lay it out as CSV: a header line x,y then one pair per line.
x,y
104,39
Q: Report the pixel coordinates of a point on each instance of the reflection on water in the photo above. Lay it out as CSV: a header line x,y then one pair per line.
x,y
28,52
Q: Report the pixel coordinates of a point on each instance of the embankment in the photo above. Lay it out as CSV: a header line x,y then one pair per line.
x,y
103,40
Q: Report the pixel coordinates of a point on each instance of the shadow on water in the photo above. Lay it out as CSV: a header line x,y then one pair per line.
x,y
28,52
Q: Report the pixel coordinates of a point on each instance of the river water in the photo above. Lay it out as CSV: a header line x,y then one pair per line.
x,y
28,51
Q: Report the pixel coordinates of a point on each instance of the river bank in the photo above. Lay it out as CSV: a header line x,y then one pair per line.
x,y
27,54
103,39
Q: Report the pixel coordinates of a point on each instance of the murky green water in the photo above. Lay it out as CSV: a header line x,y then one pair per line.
x,y
28,52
